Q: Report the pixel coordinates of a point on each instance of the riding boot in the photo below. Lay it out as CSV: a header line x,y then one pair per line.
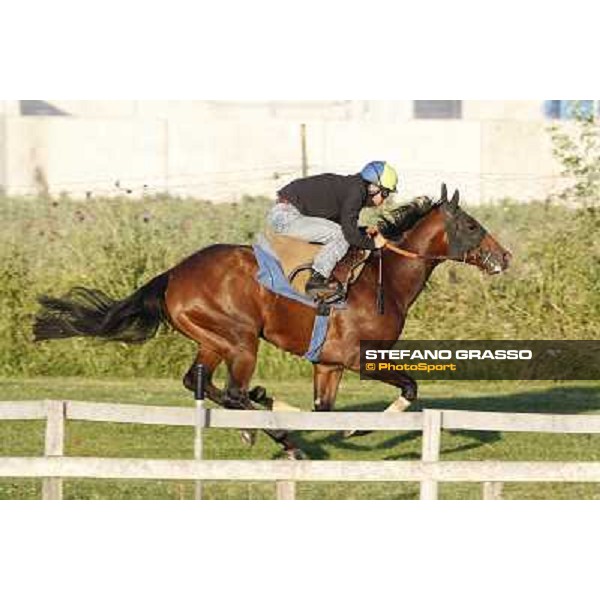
x,y
319,285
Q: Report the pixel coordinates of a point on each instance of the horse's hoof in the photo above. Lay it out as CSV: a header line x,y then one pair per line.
x,y
399,405
280,405
248,436
355,433
259,395
296,454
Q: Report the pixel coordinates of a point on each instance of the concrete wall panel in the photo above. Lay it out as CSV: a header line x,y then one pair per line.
x,y
221,151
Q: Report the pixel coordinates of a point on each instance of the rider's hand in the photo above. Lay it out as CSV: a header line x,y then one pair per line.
x,y
379,240
372,230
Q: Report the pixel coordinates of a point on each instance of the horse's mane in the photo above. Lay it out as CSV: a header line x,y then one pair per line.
x,y
403,218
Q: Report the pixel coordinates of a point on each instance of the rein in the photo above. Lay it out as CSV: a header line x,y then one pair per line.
x,y
409,254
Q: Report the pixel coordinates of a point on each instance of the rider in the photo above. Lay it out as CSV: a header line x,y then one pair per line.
x,y
325,209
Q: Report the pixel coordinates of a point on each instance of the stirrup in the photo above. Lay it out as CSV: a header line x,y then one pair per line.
x,y
327,295
318,286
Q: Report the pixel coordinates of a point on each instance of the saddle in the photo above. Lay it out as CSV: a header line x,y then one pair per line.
x,y
296,257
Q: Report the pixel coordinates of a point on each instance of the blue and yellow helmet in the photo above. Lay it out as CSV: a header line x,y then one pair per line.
x,y
382,174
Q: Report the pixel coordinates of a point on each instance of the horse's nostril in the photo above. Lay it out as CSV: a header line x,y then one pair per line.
x,y
506,257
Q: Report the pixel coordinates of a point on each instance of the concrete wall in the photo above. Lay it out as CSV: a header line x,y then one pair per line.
x,y
223,150
365,110
512,110
80,155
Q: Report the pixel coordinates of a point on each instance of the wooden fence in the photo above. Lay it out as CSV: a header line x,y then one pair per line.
x,y
429,471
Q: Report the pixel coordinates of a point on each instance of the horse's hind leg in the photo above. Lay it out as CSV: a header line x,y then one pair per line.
x,y
239,353
211,360
241,368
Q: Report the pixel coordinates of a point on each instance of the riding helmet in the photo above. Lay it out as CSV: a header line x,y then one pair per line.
x,y
381,174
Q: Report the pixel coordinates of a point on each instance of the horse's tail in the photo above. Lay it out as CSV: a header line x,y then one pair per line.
x,y
85,312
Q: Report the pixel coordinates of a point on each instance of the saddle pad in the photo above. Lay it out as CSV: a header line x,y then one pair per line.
x,y
271,275
293,252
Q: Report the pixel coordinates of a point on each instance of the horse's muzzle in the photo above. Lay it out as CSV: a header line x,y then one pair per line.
x,y
490,256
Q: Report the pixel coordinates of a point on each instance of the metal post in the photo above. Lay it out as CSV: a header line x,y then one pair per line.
x,y
200,422
304,152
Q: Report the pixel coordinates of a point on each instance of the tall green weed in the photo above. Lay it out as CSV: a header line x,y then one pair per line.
x,y
49,245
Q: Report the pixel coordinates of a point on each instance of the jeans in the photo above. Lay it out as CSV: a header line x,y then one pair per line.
x,y
286,219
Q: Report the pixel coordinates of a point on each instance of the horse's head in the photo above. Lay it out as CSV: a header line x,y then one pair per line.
x,y
466,240
442,229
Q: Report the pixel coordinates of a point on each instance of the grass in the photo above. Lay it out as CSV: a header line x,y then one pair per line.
x,y
47,246
120,440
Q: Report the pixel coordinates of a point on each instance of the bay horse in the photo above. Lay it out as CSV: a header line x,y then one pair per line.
x,y
214,299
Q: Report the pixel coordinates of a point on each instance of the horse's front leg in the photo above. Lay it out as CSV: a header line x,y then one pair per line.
x,y
408,392
326,381
406,385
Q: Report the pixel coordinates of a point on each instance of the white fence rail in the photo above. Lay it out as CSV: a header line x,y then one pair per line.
x,y
429,471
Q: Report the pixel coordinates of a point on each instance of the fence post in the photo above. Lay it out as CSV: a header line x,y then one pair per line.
x,y
286,490
432,429
52,487
492,490
200,423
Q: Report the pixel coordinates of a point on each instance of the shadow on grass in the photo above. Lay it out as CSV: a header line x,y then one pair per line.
x,y
557,400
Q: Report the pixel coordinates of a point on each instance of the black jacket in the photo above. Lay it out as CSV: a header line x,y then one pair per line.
x,y
338,198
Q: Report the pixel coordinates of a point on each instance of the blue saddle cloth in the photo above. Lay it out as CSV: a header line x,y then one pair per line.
x,y
271,275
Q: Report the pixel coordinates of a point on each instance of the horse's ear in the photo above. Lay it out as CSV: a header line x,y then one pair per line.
x,y
444,197
455,199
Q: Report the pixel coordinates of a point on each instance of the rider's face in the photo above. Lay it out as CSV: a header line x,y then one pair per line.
x,y
377,195
379,198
